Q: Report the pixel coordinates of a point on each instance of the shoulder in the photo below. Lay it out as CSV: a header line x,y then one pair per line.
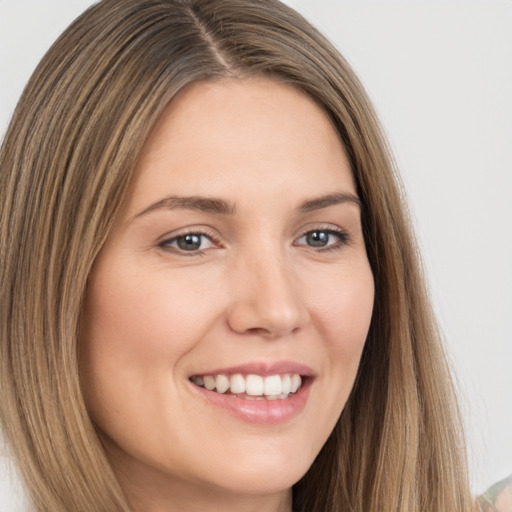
x,y
498,498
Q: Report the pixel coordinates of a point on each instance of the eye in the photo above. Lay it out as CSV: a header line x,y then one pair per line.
x,y
324,239
188,242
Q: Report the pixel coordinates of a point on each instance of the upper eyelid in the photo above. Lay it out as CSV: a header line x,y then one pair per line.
x,y
188,231
327,228
344,236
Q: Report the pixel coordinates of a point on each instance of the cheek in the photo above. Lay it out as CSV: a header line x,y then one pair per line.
x,y
343,309
134,331
147,319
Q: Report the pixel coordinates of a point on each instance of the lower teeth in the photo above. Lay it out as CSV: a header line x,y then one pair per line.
x,y
265,397
245,396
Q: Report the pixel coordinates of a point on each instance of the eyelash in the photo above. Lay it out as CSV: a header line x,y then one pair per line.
x,y
166,244
343,237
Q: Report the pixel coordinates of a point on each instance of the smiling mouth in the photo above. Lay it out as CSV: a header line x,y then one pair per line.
x,y
251,386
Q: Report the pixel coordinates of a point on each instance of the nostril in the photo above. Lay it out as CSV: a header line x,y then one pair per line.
x,y
266,320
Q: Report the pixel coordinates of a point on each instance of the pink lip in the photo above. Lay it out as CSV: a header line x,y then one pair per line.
x,y
263,412
263,369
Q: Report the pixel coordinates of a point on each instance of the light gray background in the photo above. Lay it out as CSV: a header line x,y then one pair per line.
x,y
440,74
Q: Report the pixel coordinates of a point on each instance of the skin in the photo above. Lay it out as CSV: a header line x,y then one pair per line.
x,y
503,501
257,291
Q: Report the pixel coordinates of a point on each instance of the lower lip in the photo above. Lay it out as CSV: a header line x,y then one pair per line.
x,y
264,412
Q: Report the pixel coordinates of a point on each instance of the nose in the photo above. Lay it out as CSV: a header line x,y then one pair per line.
x,y
267,300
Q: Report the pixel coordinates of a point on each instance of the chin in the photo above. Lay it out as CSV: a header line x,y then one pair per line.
x,y
263,482
266,475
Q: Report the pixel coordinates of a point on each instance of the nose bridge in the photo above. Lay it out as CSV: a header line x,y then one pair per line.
x,y
267,299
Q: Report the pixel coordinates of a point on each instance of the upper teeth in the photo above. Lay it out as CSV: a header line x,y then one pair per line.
x,y
252,385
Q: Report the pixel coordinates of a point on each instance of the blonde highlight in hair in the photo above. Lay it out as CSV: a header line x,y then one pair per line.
x,y
65,165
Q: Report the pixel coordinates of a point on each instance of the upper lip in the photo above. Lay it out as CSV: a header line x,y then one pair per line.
x,y
262,368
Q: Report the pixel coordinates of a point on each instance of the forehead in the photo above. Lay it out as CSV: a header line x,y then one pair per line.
x,y
244,132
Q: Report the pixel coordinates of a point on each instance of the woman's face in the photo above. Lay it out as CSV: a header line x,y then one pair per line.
x,y
237,260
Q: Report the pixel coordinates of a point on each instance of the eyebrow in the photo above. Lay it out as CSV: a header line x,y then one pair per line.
x,y
222,207
329,200
203,204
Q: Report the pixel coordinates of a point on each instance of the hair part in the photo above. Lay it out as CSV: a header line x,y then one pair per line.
x,y
65,165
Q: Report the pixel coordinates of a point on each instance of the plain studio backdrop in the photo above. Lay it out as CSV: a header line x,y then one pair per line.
x,y
440,75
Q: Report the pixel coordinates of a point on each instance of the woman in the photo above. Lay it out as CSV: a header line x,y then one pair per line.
x,y
158,270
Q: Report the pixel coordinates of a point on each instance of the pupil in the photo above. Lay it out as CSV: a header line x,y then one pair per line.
x,y
317,238
189,242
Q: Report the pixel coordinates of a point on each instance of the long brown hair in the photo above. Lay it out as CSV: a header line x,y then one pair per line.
x,y
65,164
